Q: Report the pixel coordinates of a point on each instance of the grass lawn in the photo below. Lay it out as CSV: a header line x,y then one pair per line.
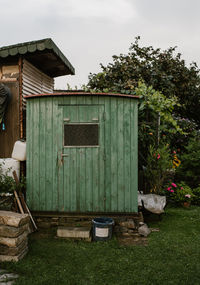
x,y
171,257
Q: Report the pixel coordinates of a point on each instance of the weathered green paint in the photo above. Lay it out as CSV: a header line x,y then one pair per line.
x,y
88,179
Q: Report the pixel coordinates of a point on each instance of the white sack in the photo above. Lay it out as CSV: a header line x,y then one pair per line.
x,y
152,202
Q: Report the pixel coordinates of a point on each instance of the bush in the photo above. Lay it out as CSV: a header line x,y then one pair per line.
x,y
179,193
189,170
196,199
8,184
159,165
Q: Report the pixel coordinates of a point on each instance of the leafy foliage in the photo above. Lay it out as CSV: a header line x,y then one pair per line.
x,y
179,140
179,193
189,170
159,165
196,199
155,105
8,184
164,70
183,193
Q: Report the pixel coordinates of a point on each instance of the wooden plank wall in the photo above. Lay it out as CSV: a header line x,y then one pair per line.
x,y
9,76
11,120
118,182
34,81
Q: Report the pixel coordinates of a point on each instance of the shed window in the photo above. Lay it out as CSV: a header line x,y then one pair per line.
x,y
81,135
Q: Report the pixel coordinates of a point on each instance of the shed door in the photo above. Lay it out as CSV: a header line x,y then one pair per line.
x,y
81,167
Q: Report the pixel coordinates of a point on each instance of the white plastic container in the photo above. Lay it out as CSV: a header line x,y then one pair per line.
x,y
19,151
8,165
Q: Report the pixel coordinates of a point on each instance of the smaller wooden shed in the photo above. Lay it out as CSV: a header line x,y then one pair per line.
x,y
27,68
82,152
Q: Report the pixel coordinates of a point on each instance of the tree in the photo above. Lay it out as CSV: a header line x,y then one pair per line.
x,y
164,70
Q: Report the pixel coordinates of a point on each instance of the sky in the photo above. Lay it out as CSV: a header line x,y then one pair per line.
x,y
90,32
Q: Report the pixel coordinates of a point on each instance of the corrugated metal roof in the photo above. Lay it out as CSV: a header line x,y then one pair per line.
x,y
80,94
44,54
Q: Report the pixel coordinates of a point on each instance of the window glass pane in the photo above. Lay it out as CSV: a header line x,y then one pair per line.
x,y
81,134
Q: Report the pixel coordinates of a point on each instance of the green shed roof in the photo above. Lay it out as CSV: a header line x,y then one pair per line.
x,y
44,54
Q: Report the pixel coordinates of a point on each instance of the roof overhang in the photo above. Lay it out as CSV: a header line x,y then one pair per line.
x,y
80,94
44,54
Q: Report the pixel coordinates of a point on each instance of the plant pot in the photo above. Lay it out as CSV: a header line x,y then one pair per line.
x,y
186,204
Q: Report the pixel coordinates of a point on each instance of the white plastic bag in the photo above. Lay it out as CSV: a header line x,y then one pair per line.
x,y
152,202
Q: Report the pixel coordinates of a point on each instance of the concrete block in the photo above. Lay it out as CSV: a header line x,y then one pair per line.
x,y
71,232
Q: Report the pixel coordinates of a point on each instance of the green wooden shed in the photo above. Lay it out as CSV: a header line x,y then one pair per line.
x,y
82,152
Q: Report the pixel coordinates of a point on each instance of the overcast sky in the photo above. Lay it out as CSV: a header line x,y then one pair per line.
x,y
89,32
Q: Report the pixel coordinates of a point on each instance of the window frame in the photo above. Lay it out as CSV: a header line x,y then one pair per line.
x,y
80,123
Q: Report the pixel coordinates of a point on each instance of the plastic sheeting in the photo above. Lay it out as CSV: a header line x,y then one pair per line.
x,y
152,202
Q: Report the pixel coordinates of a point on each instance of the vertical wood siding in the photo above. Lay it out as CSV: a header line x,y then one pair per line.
x,y
35,81
109,185
11,120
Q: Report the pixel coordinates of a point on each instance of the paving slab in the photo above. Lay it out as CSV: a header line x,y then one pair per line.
x,y
73,232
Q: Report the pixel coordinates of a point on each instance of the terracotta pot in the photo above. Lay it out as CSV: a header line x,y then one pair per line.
x,y
186,204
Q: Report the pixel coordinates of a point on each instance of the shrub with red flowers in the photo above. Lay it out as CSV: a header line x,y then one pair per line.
x,y
159,165
179,193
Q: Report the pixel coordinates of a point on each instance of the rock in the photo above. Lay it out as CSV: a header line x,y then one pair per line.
x,y
123,229
144,230
128,224
125,234
13,219
154,229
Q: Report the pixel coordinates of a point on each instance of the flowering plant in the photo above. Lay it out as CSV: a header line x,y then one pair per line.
x,y
159,164
180,193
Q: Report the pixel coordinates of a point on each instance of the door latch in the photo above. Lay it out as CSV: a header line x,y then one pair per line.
x,y
63,155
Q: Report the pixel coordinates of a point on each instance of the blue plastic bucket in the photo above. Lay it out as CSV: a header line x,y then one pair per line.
x,y
102,228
